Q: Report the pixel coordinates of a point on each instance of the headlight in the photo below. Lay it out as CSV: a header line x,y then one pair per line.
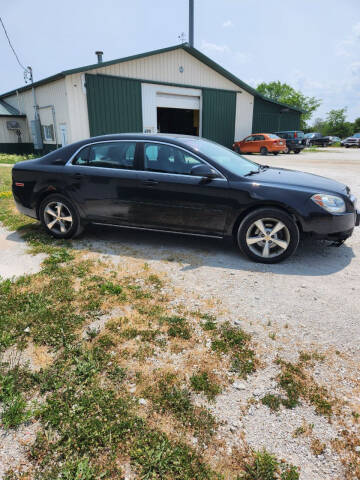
x,y
331,203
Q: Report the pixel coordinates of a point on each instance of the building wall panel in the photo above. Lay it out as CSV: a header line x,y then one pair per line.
x,y
218,116
53,93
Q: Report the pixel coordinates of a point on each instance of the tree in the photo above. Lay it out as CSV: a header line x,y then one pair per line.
x,y
337,125
356,125
284,93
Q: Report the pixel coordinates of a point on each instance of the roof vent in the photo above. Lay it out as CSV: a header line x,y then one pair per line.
x,y
99,55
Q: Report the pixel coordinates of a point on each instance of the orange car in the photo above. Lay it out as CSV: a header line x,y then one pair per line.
x,y
263,143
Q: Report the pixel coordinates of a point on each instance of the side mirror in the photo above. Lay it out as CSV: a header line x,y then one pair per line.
x,y
204,171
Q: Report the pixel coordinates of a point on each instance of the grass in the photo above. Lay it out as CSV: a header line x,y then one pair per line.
x,y
201,382
8,158
91,420
264,466
297,383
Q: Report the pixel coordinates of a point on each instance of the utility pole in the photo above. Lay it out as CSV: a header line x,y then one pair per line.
x,y
35,124
191,23
28,75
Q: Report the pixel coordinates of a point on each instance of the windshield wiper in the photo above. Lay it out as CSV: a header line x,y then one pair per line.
x,y
264,167
252,172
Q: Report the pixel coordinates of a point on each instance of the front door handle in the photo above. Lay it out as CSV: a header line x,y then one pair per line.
x,y
150,183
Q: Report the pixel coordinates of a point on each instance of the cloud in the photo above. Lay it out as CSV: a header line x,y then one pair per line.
x,y
227,24
240,57
214,47
356,30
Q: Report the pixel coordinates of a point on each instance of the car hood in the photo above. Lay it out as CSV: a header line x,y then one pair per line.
x,y
294,178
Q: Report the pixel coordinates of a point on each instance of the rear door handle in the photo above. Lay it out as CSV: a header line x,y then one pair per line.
x,y
150,183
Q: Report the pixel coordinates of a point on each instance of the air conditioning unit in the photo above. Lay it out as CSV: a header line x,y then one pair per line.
x,y
13,125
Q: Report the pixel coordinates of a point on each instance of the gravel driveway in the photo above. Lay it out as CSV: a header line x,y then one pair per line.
x,y
309,302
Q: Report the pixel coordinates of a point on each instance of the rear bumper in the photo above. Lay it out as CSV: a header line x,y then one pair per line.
x,y
295,146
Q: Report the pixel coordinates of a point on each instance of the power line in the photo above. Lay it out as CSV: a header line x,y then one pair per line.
x,y
12,48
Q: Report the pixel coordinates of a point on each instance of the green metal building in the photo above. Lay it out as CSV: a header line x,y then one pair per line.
x,y
173,90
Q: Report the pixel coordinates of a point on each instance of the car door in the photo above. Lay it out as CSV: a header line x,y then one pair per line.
x,y
249,144
174,199
103,181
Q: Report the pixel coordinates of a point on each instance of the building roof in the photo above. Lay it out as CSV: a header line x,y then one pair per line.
x,y
8,110
185,46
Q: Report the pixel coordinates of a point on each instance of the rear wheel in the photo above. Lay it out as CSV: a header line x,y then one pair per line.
x,y
286,150
59,217
276,153
297,150
268,235
263,151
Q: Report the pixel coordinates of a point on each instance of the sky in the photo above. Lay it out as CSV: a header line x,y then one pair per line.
x,y
313,45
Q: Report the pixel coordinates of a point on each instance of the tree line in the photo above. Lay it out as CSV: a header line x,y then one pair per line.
x,y
335,122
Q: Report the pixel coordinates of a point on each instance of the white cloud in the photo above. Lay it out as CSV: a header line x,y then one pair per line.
x,y
227,24
356,30
214,47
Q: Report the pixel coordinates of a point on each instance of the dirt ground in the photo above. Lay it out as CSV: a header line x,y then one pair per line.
x,y
310,302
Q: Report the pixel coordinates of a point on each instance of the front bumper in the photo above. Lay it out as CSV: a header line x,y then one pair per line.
x,y
332,227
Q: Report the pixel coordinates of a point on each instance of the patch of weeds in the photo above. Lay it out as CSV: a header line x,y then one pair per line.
x,y
151,311
138,292
157,458
112,289
178,327
272,401
155,281
201,382
234,341
265,466
169,397
317,447
272,335
297,384
15,410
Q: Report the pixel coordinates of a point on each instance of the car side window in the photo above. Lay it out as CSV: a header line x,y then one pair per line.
x,y
108,155
82,157
260,137
168,159
249,139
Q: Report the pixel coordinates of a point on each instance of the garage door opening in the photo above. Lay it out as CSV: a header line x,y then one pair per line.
x,y
178,120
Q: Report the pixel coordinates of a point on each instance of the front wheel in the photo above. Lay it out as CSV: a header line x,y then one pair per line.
x,y
297,150
263,151
59,217
268,235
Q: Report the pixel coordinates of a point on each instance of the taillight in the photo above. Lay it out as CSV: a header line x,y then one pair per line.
x,y
295,135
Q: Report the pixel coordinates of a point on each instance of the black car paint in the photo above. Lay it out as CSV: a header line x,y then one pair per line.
x,y
292,141
181,203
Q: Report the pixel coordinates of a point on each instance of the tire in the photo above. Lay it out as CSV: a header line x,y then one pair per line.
x,y
297,151
266,250
263,151
237,150
276,153
55,207
287,150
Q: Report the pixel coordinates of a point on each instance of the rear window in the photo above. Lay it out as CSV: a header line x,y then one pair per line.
x,y
271,135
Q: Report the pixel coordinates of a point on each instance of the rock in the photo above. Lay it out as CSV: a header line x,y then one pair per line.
x,y
27,330
357,449
142,401
239,385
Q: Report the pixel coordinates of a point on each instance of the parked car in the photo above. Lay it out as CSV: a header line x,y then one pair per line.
x,y
353,141
315,138
294,140
181,184
333,139
263,143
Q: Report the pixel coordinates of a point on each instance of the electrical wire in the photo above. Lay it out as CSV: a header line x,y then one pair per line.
x,y
12,48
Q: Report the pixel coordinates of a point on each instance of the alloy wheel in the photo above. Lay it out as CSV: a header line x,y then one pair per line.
x,y
57,217
268,237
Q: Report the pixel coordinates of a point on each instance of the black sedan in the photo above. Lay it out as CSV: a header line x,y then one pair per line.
x,y
182,184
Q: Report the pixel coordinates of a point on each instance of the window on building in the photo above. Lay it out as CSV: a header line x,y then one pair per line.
x,y
108,155
48,132
167,159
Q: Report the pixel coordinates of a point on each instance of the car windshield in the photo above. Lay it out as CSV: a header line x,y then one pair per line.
x,y
222,156
271,135
356,135
300,134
